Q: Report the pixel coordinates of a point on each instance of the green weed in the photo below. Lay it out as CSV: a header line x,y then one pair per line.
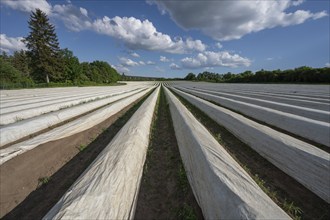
x,y
43,181
292,209
183,180
82,147
186,212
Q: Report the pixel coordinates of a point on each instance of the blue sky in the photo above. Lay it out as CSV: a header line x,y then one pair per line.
x,y
172,38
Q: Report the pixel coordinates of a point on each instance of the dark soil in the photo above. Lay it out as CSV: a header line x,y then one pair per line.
x,y
282,188
61,162
165,192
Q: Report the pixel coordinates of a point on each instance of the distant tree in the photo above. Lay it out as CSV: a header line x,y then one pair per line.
x,y
72,68
190,76
10,75
100,72
123,76
21,62
4,56
227,76
43,48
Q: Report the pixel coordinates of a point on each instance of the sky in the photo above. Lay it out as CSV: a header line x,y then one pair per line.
x,y
172,38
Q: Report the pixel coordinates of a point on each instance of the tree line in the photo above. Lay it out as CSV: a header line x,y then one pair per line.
x,y
146,78
302,74
45,64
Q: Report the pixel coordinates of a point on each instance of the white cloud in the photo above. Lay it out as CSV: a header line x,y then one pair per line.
x,y
83,11
135,55
174,66
227,20
269,58
150,62
327,65
133,32
218,45
75,19
213,59
164,59
121,69
137,34
10,44
297,2
127,62
159,69
28,5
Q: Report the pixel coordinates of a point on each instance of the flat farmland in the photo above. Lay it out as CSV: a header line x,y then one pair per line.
x,y
174,149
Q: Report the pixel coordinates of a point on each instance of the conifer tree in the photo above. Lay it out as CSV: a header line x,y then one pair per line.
x,y
43,48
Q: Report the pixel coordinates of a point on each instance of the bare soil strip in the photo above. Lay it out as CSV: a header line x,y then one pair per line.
x,y
291,196
165,192
33,182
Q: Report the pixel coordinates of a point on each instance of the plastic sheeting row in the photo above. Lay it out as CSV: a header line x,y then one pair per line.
x,y
81,124
16,131
308,128
222,188
312,113
293,90
38,107
307,164
109,187
11,98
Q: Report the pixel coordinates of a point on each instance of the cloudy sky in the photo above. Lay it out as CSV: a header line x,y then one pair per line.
x,y
172,38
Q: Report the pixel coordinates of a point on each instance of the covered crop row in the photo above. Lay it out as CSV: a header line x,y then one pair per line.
x,y
33,94
55,104
20,129
317,131
222,188
321,102
304,162
108,188
312,113
15,97
68,129
20,110
303,91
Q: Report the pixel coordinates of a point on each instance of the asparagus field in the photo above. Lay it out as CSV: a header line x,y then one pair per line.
x,y
231,151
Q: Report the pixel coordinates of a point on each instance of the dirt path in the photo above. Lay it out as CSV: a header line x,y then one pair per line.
x,y
290,195
165,192
57,164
